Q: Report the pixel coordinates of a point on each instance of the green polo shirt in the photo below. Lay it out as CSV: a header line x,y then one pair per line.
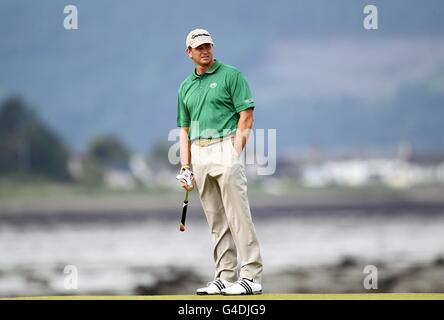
x,y
209,104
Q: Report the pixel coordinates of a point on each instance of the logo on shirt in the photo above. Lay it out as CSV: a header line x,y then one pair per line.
x,y
213,85
248,100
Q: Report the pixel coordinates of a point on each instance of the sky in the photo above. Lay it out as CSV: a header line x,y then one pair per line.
x,y
317,75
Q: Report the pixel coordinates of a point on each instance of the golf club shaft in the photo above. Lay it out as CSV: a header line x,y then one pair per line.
x,y
184,212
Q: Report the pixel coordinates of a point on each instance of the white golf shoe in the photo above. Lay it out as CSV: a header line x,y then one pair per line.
x,y
214,287
243,286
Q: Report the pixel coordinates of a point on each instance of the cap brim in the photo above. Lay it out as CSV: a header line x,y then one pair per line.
x,y
195,45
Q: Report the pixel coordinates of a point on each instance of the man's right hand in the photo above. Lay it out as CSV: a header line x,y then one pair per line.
x,y
186,177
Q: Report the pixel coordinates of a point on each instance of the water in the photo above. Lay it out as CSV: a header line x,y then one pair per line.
x,y
116,257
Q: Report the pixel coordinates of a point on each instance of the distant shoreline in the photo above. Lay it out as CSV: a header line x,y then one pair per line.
x,y
165,206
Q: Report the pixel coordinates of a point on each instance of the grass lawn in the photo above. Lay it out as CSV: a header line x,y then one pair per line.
x,y
273,296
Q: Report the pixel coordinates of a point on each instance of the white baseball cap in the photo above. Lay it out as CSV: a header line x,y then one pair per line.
x,y
197,37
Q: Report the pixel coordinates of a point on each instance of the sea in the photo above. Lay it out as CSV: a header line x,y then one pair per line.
x,y
116,255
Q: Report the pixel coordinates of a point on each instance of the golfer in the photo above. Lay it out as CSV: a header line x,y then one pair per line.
x,y
215,116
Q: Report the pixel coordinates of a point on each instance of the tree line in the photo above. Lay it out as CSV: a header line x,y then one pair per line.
x,y
28,146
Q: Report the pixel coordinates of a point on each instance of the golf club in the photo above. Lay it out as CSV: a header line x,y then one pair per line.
x,y
184,213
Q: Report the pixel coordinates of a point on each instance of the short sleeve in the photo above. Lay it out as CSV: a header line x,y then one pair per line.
x,y
183,115
240,92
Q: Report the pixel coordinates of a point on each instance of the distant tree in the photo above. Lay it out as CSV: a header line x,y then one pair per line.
x,y
27,145
109,150
158,154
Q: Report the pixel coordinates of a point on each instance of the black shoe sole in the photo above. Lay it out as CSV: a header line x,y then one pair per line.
x,y
242,294
207,294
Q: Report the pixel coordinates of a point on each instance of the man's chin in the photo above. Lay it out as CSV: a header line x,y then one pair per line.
x,y
205,62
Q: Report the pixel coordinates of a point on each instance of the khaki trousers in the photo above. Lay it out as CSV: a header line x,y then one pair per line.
x,y
220,178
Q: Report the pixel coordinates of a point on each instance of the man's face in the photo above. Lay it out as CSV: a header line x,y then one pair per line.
x,y
201,55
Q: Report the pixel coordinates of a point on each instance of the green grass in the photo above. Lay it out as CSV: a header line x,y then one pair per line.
x,y
34,187
353,296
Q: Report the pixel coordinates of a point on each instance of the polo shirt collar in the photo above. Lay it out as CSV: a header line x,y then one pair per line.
x,y
212,70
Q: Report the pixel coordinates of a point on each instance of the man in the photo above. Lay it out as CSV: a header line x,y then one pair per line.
x,y
215,116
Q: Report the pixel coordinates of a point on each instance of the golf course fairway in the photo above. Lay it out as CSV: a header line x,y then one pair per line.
x,y
270,296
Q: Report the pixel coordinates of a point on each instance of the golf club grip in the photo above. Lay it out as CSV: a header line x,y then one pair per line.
x,y
184,212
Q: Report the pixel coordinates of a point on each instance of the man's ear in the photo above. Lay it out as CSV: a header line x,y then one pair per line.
x,y
188,52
